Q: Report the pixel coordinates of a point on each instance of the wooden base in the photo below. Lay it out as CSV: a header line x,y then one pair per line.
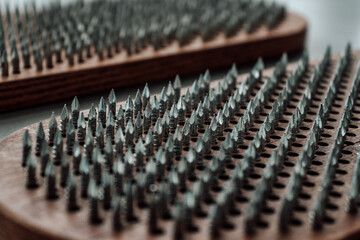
x,y
31,87
26,214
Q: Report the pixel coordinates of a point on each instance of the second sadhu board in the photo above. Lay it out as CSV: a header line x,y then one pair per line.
x,y
59,51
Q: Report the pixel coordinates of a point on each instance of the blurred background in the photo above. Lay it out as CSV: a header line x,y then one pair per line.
x,y
331,22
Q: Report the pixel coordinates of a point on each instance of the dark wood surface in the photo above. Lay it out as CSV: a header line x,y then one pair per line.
x,y
25,214
31,88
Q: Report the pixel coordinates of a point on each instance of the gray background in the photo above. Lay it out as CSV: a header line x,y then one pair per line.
x,y
331,22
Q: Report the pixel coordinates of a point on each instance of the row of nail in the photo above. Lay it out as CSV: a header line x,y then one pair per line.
x,y
353,195
256,146
80,29
302,165
318,211
275,163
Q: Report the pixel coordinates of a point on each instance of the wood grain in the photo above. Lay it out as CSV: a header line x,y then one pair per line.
x,y
32,88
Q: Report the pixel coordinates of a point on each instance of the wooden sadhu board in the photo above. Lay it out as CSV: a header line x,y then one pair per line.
x,y
31,87
26,214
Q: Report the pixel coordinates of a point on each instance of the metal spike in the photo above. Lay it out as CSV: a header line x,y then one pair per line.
x,y
85,177
213,130
207,179
138,126
138,107
178,231
109,156
149,143
178,141
155,106
40,138
141,189
218,95
119,143
75,109
169,151
195,94
158,133
129,208
89,146
163,101
192,122
174,115
99,136
97,161
220,123
200,116
116,214
188,209
215,220
152,217
129,109
163,200
26,147
187,100
165,123
129,134
129,163
120,119
64,170
199,150
170,93
118,170
110,127
160,163
316,214
226,114
50,181
198,193
52,128
140,153
186,133
70,55
4,65
92,119
206,108
147,117
44,157
94,213
77,156
106,191
81,132
64,119
207,140
182,170
173,180
70,137
146,95
191,160
225,87
31,178
202,86
177,87
102,111
181,108
57,148
112,101
71,194
150,171
207,78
